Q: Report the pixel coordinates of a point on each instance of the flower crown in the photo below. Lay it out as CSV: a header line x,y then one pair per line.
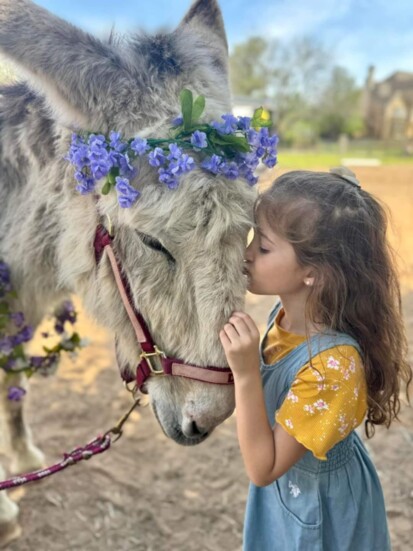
x,y
232,148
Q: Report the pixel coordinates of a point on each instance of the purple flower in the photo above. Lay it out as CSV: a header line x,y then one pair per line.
x,y
186,163
199,140
4,274
229,126
177,121
253,137
97,142
36,361
244,123
139,146
64,313
175,151
260,151
127,195
251,178
11,362
212,164
15,393
6,345
86,185
167,178
79,156
264,137
156,157
270,161
17,318
126,169
26,334
116,142
100,163
229,170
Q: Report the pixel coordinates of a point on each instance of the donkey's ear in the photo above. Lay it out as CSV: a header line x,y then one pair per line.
x,y
206,15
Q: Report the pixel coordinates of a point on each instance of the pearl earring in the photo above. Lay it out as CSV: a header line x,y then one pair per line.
x,y
307,281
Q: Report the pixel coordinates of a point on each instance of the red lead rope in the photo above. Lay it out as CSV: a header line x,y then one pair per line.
x,y
99,445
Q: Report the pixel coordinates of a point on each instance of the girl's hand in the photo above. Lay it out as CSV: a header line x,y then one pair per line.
x,y
240,339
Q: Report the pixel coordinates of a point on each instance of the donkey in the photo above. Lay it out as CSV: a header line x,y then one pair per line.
x,y
186,276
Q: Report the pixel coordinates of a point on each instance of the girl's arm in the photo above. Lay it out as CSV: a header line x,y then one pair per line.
x,y
267,453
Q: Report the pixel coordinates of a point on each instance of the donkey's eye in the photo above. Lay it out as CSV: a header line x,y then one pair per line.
x,y
155,245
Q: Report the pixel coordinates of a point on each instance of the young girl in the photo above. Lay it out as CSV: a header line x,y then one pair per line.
x,y
334,352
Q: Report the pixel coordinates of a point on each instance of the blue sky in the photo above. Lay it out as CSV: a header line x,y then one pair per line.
x,y
357,32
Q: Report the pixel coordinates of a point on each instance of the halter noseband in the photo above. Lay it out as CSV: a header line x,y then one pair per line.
x,y
152,361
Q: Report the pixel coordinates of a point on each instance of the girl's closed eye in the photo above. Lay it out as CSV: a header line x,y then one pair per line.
x,y
263,250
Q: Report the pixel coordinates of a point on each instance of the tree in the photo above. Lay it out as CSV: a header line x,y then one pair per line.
x,y
339,107
248,67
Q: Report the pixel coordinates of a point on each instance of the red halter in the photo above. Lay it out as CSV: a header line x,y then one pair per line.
x,y
152,361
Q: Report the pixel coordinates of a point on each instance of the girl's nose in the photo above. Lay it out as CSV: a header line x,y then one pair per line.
x,y
249,254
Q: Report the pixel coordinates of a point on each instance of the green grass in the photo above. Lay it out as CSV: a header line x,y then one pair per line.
x,y
312,159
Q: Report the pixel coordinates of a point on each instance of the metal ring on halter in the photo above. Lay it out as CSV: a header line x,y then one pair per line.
x,y
148,356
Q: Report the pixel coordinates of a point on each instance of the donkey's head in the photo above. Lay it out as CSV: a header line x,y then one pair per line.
x,y
181,250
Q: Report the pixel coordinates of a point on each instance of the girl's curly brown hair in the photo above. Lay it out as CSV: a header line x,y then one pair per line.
x,y
340,230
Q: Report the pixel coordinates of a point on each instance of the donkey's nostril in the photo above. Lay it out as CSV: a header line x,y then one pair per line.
x,y
191,430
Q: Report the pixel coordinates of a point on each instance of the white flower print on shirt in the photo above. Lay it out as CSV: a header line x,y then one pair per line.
x,y
352,366
320,404
309,408
294,489
343,424
293,397
332,363
289,423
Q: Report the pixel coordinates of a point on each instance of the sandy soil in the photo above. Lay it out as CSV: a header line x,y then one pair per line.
x,y
149,494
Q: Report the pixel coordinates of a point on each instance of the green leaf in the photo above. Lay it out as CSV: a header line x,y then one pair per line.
x,y
186,107
258,113
19,352
4,308
237,143
106,187
114,172
198,108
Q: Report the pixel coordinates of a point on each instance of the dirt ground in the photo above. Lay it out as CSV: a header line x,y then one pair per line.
x,y
149,494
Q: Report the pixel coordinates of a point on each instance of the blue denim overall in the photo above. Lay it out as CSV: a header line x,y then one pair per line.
x,y
333,505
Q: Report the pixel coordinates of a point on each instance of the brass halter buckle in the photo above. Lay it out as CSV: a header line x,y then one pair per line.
x,y
148,356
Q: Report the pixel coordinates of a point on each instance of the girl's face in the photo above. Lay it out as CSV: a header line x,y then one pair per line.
x,y
271,264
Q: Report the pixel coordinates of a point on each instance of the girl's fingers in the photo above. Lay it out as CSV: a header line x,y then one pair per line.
x,y
224,338
247,321
231,332
240,326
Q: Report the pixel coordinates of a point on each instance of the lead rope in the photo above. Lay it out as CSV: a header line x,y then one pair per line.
x,y
99,445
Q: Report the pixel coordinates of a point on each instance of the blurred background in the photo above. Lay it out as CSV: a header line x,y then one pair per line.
x,y
336,78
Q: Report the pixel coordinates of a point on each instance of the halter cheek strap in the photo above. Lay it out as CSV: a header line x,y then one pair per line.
x,y
152,361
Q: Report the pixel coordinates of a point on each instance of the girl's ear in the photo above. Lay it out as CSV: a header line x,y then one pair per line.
x,y
309,277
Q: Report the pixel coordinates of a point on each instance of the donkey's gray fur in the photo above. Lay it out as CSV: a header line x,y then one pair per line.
x,y
73,80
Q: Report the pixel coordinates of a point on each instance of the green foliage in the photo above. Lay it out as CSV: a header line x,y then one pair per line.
x,y
310,97
249,67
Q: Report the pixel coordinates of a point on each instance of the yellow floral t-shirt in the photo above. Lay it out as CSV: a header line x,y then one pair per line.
x,y
328,398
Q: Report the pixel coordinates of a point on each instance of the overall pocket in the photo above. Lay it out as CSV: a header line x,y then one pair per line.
x,y
299,498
